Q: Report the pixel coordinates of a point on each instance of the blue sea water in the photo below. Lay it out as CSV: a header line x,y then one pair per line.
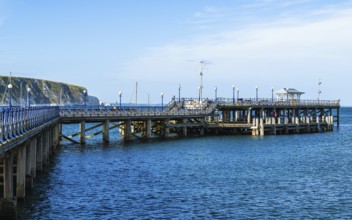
x,y
219,177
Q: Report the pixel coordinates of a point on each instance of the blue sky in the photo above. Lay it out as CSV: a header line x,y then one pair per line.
x,y
107,46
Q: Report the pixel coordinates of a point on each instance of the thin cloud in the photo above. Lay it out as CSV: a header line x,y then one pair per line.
x,y
3,12
240,14
267,53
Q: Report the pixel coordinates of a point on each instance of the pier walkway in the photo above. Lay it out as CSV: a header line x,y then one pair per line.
x,y
30,136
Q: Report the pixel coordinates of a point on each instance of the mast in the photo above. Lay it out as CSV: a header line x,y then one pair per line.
x,y
136,93
203,64
319,91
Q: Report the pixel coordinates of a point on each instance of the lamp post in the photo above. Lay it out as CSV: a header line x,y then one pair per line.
x,y
162,101
45,91
233,94
28,97
179,92
85,93
203,64
120,95
256,93
216,93
9,86
319,91
238,93
199,93
272,94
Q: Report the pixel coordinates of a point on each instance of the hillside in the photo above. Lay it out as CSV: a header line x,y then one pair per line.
x,y
41,92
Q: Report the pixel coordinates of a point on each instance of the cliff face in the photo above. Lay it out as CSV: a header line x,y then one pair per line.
x,y
41,92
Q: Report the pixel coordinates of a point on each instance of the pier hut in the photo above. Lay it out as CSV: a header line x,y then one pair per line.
x,y
288,94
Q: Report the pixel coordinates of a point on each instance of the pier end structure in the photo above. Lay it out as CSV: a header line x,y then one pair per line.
x,y
210,117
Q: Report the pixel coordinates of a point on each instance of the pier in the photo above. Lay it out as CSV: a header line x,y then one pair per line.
x,y
29,136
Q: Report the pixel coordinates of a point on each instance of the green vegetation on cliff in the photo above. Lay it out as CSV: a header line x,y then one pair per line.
x,y
41,92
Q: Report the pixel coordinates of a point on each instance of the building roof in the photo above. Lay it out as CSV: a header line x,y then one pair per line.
x,y
289,91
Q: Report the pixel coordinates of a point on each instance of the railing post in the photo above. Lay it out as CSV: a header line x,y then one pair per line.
x,y
2,127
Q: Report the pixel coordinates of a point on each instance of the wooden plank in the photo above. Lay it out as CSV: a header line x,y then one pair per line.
x,y
88,129
69,139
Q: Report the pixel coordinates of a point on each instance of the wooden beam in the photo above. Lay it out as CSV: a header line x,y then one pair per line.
x,y
99,132
69,139
87,129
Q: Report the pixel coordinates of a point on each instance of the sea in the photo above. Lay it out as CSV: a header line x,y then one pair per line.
x,y
306,176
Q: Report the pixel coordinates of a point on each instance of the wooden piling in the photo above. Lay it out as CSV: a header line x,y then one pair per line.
x,y
21,172
82,132
39,163
8,177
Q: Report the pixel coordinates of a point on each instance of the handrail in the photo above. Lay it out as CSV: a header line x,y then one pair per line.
x,y
270,102
16,120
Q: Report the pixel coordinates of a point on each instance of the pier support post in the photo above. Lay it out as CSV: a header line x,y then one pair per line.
x,y
149,129
184,127
106,130
273,121
226,116
60,134
33,160
261,122
55,135
167,129
297,124
49,147
21,172
286,125
254,128
39,163
331,121
127,133
201,131
82,132
308,121
50,142
8,177
318,124
249,116
7,204
29,178
45,147
338,117
261,127
30,163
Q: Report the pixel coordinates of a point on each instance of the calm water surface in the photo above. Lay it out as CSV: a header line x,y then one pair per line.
x,y
224,177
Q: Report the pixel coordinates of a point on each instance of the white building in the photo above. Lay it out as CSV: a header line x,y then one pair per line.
x,y
288,94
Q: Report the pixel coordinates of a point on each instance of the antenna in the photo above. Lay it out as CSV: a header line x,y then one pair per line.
x,y
136,93
319,91
10,78
203,63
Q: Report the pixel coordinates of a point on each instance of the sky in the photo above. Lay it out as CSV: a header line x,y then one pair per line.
x,y
109,45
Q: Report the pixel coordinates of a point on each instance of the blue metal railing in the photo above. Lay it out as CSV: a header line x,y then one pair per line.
x,y
15,121
123,108
275,102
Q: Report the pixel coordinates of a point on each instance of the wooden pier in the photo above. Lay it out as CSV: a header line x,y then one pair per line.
x,y
30,136
206,117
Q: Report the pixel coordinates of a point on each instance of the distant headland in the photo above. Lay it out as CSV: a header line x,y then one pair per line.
x,y
41,92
